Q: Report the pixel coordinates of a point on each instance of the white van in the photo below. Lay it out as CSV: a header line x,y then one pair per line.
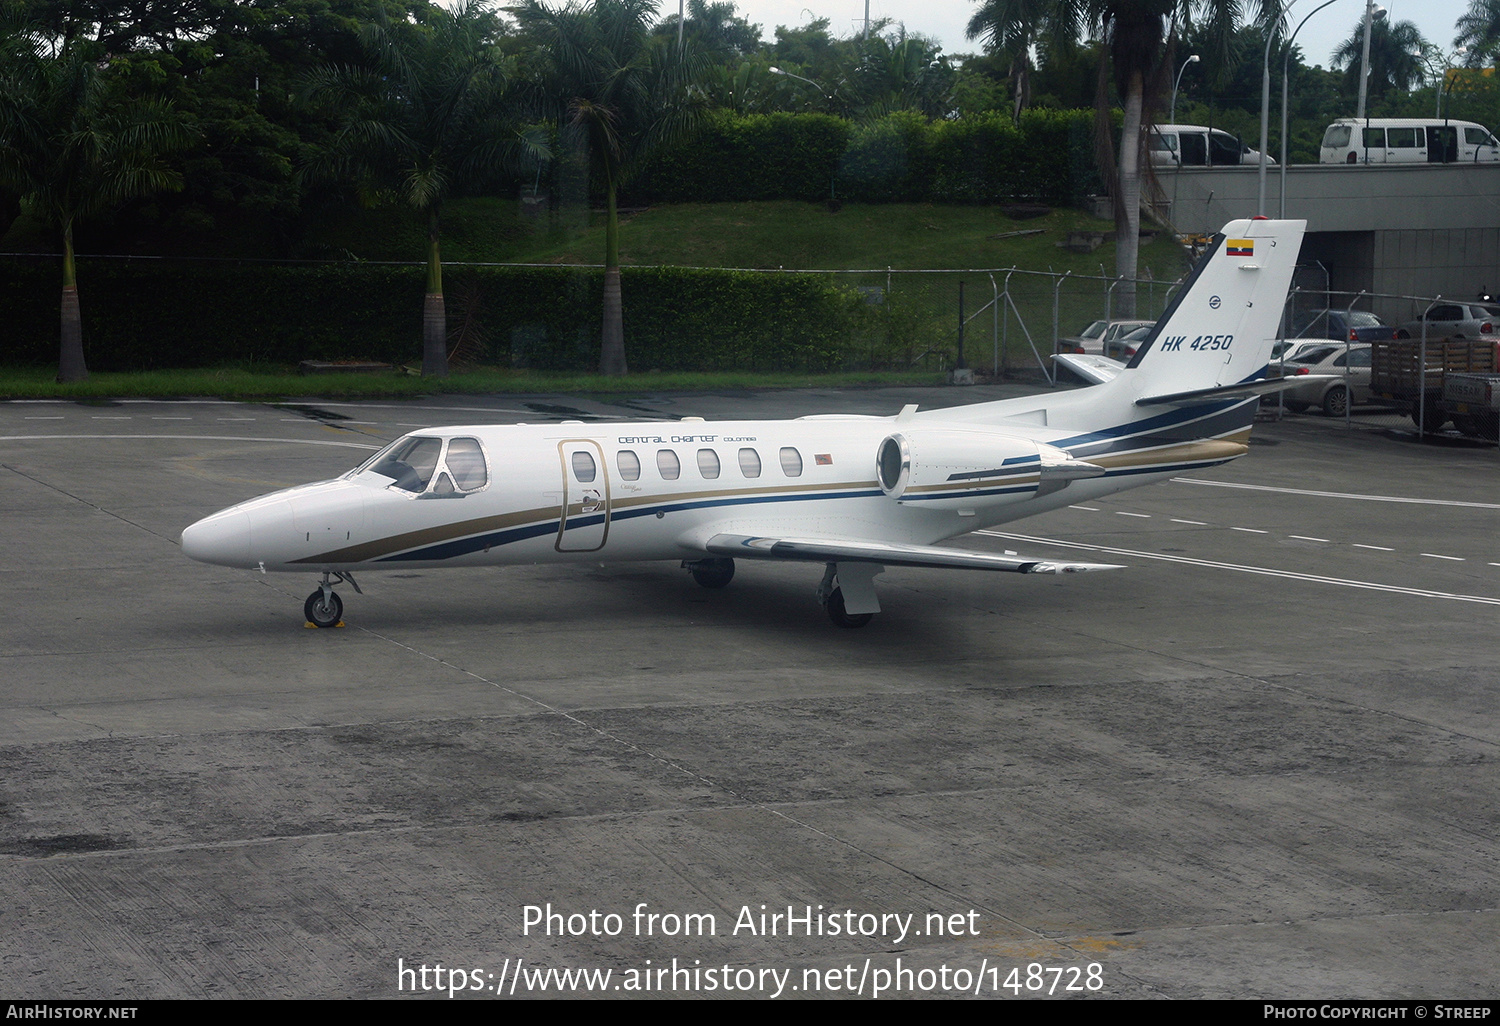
x,y
1407,141
1196,146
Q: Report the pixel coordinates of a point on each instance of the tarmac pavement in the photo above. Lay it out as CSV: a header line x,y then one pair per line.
x,y
1258,763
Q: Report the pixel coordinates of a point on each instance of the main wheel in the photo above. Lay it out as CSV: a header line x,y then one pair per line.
x,y
1336,402
321,613
712,573
835,607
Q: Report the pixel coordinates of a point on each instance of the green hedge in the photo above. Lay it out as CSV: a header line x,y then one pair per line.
x,y
142,315
900,158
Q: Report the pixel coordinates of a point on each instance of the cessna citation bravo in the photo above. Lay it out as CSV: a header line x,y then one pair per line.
x,y
855,493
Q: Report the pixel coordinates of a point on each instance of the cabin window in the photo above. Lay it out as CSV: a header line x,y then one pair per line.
x,y
1374,138
668,465
1402,138
791,462
750,463
629,464
708,463
584,469
1477,137
466,464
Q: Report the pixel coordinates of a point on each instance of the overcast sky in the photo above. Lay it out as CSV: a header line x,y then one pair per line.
x,y
946,19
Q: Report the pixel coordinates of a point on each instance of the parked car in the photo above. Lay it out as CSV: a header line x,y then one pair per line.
x,y
1350,361
1454,320
1096,337
1123,347
1197,146
1294,348
1344,325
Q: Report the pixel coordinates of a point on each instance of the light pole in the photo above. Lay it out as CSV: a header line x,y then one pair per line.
x,y
1285,61
1373,13
1437,64
1191,60
1265,110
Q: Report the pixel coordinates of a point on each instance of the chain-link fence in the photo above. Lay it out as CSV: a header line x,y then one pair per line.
x,y
1397,361
1001,321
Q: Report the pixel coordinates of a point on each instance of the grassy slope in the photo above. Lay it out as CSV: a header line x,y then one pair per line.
x,y
771,234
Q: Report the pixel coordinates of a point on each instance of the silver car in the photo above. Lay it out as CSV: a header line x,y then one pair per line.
x,y
1351,364
1096,338
1454,320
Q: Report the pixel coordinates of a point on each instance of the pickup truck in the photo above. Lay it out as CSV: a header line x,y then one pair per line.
x,y
1459,381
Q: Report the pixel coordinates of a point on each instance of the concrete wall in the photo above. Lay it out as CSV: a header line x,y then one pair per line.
x,y
1401,229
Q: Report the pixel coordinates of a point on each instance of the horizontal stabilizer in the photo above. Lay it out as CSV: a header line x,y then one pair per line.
x,y
1096,370
833,550
1244,390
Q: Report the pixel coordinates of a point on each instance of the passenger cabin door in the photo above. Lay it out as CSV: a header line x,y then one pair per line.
x,y
583,520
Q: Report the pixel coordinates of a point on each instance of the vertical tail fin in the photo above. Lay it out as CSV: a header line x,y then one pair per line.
x,y
1221,328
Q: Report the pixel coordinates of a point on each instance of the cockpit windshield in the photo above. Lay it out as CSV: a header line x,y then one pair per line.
x,y
423,463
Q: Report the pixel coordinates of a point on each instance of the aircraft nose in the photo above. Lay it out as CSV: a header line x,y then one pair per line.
x,y
223,538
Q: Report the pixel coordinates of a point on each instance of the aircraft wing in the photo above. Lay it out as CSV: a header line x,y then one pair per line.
x,y
838,550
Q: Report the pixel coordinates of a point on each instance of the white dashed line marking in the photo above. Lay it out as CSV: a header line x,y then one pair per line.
x,y
1242,568
1249,530
1090,509
1195,523
1434,555
1377,548
1122,513
44,418
1337,495
1303,537
110,418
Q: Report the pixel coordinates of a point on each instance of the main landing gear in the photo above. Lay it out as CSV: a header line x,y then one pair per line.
x,y
710,573
323,607
847,592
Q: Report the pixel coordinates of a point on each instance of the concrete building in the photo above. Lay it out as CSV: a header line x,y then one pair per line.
x,y
1393,229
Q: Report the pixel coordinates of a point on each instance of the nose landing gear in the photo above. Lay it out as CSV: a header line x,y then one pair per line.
x,y
323,607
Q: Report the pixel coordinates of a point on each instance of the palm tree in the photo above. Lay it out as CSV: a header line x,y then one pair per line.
x,y
434,113
1010,28
73,146
621,95
1395,57
1136,39
1479,31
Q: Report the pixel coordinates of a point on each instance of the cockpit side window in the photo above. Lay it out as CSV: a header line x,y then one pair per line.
x,y
465,461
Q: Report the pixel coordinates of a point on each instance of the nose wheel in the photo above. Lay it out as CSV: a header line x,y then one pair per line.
x,y
323,610
323,607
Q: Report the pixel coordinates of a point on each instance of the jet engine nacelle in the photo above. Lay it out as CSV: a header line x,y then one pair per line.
x,y
959,469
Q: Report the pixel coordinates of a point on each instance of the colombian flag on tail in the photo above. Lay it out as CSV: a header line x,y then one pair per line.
x,y
1239,247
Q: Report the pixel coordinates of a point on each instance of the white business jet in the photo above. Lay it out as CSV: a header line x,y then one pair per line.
x,y
855,493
